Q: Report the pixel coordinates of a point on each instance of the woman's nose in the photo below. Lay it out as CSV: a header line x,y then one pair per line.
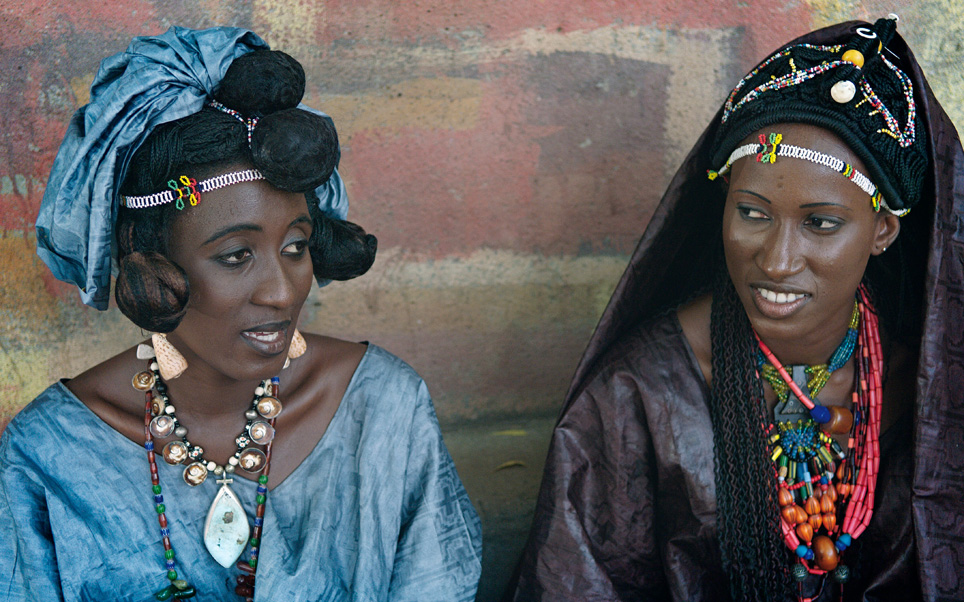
x,y
780,255
276,287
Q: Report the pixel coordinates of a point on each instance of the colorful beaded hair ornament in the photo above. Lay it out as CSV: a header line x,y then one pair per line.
x,y
186,188
852,89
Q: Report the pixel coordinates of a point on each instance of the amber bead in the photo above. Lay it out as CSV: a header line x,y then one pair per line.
x,y
812,506
853,56
794,514
843,490
784,497
826,504
841,419
825,553
815,520
805,532
832,492
829,521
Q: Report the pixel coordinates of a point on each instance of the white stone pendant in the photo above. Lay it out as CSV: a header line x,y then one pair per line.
x,y
226,529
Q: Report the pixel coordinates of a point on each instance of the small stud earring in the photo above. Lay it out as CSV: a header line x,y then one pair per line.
x,y
298,345
170,362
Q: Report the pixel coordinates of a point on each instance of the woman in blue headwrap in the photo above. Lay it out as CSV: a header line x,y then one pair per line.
x,y
195,171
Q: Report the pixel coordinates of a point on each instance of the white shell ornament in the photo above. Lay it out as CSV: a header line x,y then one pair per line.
x,y
843,91
261,432
175,452
145,352
269,407
252,460
226,529
195,473
162,426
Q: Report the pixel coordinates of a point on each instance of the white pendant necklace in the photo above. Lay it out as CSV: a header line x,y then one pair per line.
x,y
226,528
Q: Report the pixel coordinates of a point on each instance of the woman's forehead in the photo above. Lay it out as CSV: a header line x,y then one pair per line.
x,y
256,203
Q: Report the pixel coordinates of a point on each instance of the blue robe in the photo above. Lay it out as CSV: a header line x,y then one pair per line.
x,y
375,512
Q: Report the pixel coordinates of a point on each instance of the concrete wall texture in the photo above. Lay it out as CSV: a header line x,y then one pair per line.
x,y
507,154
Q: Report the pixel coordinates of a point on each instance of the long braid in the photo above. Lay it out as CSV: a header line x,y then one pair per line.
x,y
748,517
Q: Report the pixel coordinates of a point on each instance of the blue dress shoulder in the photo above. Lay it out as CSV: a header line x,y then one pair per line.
x,y
376,512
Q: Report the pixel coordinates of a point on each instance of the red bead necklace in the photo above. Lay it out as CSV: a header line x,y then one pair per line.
x,y
816,532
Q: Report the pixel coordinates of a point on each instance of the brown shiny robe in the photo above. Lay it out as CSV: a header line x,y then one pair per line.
x,y
627,508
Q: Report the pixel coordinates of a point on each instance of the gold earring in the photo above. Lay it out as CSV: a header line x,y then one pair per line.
x,y
170,362
298,345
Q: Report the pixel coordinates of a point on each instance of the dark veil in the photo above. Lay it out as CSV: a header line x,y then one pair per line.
x,y
678,253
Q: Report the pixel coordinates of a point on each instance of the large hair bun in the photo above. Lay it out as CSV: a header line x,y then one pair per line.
x,y
296,150
263,81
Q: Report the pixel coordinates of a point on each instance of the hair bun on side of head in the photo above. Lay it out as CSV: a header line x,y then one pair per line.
x,y
152,291
296,150
263,81
340,250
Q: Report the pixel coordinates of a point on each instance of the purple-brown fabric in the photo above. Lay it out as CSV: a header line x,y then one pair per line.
x,y
628,506
618,519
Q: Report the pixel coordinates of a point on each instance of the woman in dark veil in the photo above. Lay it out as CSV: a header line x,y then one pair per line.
x,y
766,410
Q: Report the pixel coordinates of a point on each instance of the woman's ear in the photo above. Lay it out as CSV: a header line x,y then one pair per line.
x,y
888,227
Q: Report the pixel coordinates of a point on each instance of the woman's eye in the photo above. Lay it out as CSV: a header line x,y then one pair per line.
x,y
295,248
752,214
235,257
822,223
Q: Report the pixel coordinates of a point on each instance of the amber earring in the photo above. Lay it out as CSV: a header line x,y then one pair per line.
x,y
170,362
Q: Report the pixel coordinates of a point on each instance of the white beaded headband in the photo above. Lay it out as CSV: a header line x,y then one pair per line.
x,y
769,148
189,189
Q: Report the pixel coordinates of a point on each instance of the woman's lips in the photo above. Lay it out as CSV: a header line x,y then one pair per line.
x,y
778,305
266,341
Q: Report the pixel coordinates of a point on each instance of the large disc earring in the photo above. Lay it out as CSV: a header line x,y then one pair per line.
x,y
298,345
170,362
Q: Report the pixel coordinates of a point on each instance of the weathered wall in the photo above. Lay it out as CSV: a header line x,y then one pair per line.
x,y
507,154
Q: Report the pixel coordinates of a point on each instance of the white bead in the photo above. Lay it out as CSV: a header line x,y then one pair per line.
x,y
232,461
212,465
259,391
893,17
154,366
843,91
169,409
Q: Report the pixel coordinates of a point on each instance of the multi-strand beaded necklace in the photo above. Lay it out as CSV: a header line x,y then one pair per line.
x,y
826,493
226,522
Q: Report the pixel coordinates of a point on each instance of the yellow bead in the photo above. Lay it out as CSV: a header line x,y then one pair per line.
x,y
854,56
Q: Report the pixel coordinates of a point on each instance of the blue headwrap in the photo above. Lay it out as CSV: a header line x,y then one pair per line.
x,y
156,80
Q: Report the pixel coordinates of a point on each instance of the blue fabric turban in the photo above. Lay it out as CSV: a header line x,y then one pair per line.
x,y
156,80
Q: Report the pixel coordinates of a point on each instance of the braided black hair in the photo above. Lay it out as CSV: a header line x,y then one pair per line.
x,y
748,515
295,150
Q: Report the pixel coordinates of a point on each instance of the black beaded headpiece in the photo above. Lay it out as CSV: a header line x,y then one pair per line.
x,y
852,89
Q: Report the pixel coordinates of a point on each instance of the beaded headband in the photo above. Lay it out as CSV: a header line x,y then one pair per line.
x,y
769,148
187,188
